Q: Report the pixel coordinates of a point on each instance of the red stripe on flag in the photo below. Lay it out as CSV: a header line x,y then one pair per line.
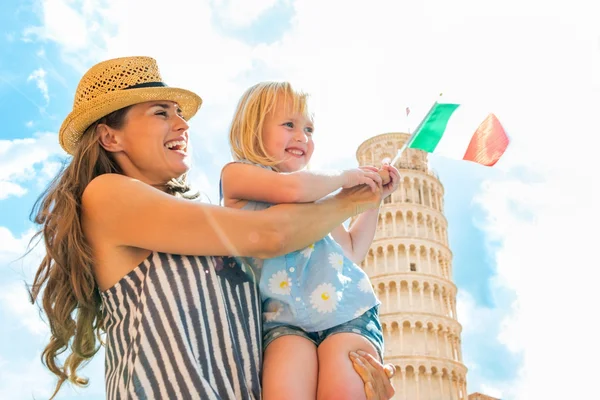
x,y
488,142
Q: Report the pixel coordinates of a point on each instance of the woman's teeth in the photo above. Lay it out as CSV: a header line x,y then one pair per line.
x,y
176,145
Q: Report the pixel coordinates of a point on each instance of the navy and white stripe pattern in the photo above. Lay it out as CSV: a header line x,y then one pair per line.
x,y
180,327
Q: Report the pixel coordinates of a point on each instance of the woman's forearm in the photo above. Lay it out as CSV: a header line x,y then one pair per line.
x,y
300,225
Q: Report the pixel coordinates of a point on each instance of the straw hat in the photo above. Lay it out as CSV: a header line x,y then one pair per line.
x,y
114,84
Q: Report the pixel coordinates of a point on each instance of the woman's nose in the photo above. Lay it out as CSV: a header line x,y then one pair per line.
x,y
181,124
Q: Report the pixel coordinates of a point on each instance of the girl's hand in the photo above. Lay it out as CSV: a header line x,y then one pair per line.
x,y
377,377
394,182
360,176
360,198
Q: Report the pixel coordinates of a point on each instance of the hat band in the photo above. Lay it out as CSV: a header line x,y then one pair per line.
x,y
146,85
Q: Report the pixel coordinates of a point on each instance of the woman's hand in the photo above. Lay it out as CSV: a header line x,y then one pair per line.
x,y
361,198
377,377
392,185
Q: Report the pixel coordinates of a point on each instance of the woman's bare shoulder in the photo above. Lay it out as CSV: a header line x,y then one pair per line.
x,y
107,183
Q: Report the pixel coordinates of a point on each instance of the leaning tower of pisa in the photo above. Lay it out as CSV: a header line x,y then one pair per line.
x,y
410,266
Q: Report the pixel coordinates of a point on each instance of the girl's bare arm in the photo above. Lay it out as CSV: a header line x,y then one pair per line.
x,y
249,182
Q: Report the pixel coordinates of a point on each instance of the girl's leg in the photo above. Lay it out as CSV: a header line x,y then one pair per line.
x,y
337,378
290,369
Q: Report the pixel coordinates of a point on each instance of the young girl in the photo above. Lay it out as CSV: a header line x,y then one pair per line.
x,y
317,303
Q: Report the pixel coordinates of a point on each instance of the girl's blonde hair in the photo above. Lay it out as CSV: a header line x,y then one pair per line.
x,y
65,280
245,134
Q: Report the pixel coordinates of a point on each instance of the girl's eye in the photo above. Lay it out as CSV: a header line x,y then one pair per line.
x,y
289,124
309,130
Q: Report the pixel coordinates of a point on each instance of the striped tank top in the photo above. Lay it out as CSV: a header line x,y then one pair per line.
x,y
180,327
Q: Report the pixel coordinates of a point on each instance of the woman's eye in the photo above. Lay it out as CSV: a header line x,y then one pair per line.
x,y
163,113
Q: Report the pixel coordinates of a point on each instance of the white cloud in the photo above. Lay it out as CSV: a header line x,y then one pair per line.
x,y
544,259
18,267
25,332
8,189
542,222
101,29
25,380
74,35
14,299
11,245
491,391
19,159
39,76
242,13
473,317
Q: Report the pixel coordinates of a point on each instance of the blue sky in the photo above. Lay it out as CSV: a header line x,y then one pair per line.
x,y
517,231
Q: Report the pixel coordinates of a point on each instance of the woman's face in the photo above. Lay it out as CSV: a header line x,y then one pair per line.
x,y
152,144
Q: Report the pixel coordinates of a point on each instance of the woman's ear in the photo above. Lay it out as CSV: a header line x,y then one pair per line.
x,y
109,138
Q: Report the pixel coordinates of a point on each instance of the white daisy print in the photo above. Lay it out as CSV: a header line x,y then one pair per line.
x,y
365,285
371,326
308,250
337,261
361,311
324,298
280,283
272,311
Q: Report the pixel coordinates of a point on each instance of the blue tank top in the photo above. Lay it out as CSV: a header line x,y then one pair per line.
x,y
315,288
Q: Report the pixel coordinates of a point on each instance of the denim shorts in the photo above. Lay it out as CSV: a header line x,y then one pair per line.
x,y
367,326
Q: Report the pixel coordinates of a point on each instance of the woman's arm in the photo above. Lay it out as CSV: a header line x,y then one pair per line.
x,y
130,213
249,182
377,377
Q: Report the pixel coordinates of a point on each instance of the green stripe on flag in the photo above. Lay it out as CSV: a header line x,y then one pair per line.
x,y
431,129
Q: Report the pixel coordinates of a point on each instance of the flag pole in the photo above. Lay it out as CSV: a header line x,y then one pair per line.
x,y
412,136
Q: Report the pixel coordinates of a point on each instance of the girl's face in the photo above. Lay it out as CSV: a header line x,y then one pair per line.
x,y
287,136
152,144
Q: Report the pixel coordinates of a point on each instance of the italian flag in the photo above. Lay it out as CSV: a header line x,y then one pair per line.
x,y
447,132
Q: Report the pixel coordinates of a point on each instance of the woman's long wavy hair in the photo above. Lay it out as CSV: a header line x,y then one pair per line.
x,y
65,279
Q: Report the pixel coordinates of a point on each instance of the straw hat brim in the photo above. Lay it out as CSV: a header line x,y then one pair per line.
x,y
80,119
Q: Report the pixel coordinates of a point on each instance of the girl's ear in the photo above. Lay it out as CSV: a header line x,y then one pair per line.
x,y
109,138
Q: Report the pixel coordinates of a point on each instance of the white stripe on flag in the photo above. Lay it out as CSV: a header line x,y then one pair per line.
x,y
458,134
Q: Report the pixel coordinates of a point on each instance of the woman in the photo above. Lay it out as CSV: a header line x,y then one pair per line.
x,y
128,253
